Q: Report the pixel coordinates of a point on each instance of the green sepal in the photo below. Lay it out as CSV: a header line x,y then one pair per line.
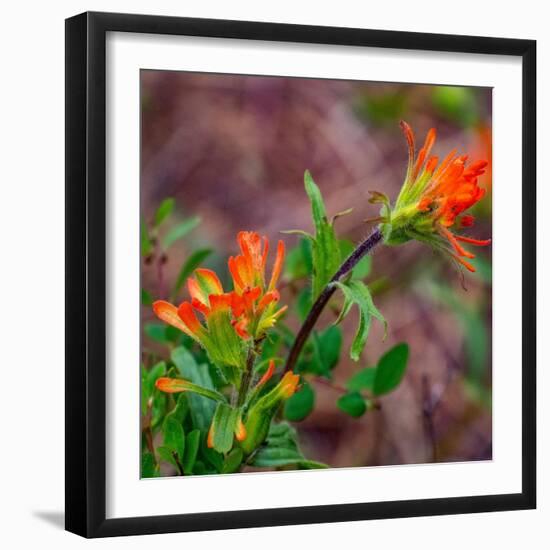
x,y
223,427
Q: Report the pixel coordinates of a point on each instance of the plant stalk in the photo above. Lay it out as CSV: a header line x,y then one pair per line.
x,y
322,300
247,375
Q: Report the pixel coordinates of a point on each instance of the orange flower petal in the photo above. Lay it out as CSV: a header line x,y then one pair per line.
x,y
240,430
209,281
238,283
240,328
187,315
278,265
268,373
220,302
475,242
171,385
169,314
196,292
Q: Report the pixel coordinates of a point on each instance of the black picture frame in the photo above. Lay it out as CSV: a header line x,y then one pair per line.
x,y
86,274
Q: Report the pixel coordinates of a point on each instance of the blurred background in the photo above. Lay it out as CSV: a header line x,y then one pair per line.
x,y
232,151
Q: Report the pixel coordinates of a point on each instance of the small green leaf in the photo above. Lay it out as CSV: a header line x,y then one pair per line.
x,y
223,427
211,455
362,380
192,262
192,443
146,297
232,461
202,408
298,261
311,465
356,292
363,268
300,405
148,465
390,370
148,383
179,412
164,210
174,437
179,231
276,456
200,468
352,404
156,331
166,454
325,247
329,346
303,303
281,449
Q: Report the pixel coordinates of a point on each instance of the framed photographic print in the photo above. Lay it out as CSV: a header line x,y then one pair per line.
x,y
300,274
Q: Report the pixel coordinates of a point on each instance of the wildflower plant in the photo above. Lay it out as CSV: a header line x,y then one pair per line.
x,y
233,375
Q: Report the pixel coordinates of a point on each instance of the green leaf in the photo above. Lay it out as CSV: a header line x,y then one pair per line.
x,y
164,210
223,427
362,380
167,455
148,380
233,461
281,449
146,243
192,262
363,268
146,297
276,456
325,247
352,404
179,412
192,443
298,261
156,331
356,292
202,408
300,405
329,345
391,368
346,248
179,231
200,468
174,437
211,455
148,465
303,303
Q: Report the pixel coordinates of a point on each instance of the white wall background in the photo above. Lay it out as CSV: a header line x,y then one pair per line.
x,y
32,272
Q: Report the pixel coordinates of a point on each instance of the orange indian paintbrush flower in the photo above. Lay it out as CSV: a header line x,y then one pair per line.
x,y
433,199
230,318
254,300
217,335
